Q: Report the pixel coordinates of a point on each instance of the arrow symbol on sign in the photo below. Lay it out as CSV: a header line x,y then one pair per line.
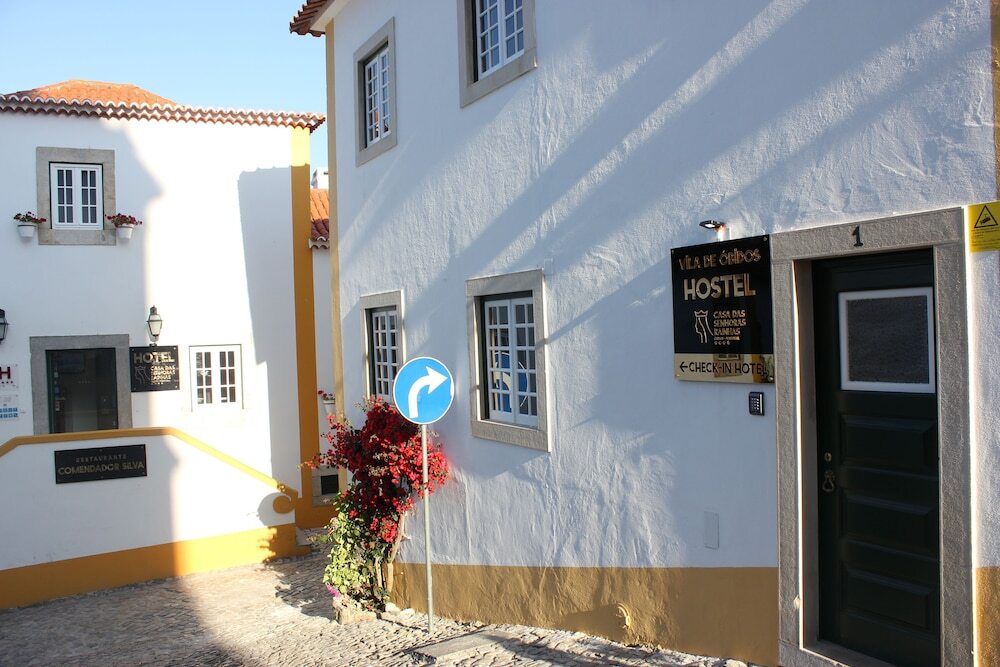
x,y
431,381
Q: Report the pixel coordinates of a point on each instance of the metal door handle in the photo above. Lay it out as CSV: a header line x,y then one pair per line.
x,y
829,481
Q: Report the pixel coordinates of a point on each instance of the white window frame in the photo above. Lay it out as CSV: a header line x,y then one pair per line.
x,y
375,86
54,233
475,81
78,198
510,368
378,373
498,23
511,290
378,121
232,400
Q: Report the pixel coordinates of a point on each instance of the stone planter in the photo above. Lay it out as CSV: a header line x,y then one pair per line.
x,y
345,613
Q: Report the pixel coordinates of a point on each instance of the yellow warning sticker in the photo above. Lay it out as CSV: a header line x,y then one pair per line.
x,y
984,226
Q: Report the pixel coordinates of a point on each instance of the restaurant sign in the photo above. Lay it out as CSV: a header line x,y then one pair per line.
x,y
154,368
723,327
97,463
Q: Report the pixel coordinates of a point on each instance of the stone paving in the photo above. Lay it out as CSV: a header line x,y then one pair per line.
x,y
271,615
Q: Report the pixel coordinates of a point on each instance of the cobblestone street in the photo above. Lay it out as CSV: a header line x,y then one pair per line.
x,y
275,614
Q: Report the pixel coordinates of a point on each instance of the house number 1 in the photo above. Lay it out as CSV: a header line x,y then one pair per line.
x,y
856,233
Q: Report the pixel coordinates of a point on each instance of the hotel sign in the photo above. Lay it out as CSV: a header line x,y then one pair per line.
x,y
154,368
723,325
97,463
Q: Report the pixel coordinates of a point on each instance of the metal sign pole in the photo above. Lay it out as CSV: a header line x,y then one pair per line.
x,y
423,391
427,530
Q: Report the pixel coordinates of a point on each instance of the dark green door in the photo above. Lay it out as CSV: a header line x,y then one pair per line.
x,y
879,569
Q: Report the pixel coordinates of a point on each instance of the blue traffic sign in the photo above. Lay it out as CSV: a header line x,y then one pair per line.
x,y
423,390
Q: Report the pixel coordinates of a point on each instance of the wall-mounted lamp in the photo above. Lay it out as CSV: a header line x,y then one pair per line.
x,y
713,225
3,324
155,324
716,226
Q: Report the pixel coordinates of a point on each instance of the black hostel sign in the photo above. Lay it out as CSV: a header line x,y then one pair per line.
x,y
723,326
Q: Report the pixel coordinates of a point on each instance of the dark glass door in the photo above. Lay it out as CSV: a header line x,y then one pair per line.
x,y
83,391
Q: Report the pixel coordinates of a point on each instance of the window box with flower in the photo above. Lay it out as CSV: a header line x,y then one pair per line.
x,y
329,401
124,224
27,223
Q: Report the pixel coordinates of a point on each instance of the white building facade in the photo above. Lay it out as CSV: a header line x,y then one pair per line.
x,y
123,458
511,179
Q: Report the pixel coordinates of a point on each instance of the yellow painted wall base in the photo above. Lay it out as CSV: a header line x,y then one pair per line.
x,y
36,583
725,612
988,615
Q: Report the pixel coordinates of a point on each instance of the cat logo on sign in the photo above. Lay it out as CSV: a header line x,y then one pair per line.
x,y
984,226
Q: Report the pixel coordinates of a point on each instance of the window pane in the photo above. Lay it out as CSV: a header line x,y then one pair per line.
x,y
216,376
383,351
887,339
377,121
512,386
82,390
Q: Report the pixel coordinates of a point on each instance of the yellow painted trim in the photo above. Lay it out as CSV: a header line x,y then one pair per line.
x,y
307,515
152,431
731,612
988,616
46,581
995,70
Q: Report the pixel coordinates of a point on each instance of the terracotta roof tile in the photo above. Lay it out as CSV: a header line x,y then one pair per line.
x,y
111,100
319,209
306,15
77,90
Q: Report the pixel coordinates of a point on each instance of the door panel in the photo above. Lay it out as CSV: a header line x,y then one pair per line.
x,y
879,563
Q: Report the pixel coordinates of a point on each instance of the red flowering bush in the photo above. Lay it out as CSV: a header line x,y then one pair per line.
x,y
384,458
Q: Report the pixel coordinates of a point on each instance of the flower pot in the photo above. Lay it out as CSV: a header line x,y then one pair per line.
x,y
26,230
124,231
329,405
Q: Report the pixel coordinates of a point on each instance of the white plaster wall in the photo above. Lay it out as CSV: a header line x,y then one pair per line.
x,y
214,256
636,125
324,331
984,275
59,521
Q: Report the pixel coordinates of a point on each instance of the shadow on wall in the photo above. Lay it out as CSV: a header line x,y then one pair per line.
x,y
75,537
91,535
683,108
711,118
267,246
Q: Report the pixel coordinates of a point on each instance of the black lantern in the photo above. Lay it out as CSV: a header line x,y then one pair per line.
x,y
3,324
712,225
154,323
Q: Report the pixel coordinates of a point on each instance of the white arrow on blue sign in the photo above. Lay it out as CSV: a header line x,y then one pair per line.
x,y
423,390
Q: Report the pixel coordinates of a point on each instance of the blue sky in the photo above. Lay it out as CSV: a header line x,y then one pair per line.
x,y
214,53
